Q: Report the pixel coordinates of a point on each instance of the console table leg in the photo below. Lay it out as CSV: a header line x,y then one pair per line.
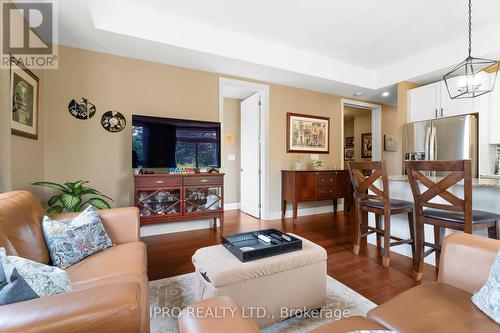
x,y
335,203
283,209
295,211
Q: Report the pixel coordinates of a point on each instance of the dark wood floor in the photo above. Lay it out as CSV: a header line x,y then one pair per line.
x,y
170,254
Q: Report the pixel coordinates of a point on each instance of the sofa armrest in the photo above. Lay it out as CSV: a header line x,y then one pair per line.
x,y
121,224
110,308
215,315
466,261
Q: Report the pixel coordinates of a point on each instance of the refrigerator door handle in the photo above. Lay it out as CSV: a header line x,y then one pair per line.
x,y
427,137
432,144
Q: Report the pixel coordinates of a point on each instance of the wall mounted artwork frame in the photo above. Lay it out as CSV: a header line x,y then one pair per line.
x,y
366,145
307,134
390,143
25,101
348,154
349,142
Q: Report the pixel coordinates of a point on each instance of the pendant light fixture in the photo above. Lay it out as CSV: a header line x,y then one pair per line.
x,y
469,78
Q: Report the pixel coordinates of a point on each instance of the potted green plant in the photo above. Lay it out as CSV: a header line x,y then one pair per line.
x,y
71,198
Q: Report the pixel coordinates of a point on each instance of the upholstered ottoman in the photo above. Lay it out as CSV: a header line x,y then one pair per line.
x,y
269,289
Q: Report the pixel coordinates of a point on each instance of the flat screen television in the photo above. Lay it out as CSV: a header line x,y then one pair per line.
x,y
170,143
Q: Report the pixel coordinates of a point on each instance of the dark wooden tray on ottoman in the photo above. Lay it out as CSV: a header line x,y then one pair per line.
x,y
247,246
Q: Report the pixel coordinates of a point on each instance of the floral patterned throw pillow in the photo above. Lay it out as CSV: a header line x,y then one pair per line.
x,y
22,279
487,299
71,241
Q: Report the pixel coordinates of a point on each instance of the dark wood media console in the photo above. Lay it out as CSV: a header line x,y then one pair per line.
x,y
303,186
179,197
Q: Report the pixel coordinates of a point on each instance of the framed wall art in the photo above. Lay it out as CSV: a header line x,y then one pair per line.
x,y
390,143
348,154
24,96
307,134
349,142
366,145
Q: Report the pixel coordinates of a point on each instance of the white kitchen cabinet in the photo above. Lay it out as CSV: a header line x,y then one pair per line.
x,y
422,102
433,101
455,107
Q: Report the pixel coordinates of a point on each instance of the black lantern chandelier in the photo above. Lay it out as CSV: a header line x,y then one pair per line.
x,y
469,79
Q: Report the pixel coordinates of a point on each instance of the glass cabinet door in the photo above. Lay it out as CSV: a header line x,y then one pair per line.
x,y
159,202
198,200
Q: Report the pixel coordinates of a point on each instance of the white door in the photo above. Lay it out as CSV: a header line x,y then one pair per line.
x,y
250,156
423,103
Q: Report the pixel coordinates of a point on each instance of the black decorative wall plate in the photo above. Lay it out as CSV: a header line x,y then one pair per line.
x,y
81,110
113,121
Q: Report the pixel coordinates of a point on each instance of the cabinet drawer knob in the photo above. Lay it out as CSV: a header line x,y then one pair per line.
x,y
204,180
159,182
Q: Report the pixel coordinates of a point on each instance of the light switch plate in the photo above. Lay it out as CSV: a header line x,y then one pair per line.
x,y
231,157
314,157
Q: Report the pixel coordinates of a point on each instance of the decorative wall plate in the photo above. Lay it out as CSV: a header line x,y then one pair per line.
x,y
81,110
113,121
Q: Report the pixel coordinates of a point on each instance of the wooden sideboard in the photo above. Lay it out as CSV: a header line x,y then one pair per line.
x,y
305,186
179,197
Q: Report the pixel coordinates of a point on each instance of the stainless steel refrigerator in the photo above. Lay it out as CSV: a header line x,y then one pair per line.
x,y
443,139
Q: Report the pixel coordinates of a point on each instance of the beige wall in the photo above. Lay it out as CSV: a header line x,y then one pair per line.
x,y
27,159
362,125
231,168
82,149
393,160
76,149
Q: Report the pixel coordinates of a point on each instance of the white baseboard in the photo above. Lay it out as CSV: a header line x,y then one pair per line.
x,y
305,211
232,206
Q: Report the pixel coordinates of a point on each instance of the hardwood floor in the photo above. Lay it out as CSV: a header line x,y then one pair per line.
x,y
170,254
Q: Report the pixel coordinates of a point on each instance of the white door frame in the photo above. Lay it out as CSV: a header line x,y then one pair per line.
x,y
263,89
376,127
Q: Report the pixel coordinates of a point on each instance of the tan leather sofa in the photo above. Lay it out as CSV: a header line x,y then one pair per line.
x,y
110,288
442,306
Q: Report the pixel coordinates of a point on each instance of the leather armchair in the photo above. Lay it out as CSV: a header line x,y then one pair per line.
x,y
110,288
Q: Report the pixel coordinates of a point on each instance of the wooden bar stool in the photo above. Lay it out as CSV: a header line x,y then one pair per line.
x,y
378,203
455,214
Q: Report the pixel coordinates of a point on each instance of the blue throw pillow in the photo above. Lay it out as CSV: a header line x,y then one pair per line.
x,y
22,279
487,299
71,241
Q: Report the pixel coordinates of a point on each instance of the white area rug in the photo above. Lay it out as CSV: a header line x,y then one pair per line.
x,y
177,292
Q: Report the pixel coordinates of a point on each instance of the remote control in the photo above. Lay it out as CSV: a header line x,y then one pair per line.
x,y
264,238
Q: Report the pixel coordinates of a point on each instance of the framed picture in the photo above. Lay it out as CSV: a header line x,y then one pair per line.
x,y
24,96
390,143
348,154
349,142
366,145
307,134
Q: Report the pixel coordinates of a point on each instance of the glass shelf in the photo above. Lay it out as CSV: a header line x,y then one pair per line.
x,y
158,203
199,200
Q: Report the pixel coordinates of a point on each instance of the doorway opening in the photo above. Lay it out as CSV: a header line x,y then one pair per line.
x,y
361,131
244,117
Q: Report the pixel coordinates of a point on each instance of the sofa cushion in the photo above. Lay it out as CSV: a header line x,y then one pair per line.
x,y
350,324
432,307
21,226
23,279
70,242
488,297
122,259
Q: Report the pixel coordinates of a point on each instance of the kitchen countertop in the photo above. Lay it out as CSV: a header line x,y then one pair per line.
x,y
476,182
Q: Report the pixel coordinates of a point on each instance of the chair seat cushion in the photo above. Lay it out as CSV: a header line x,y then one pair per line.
x,y
351,324
432,307
395,204
458,217
122,259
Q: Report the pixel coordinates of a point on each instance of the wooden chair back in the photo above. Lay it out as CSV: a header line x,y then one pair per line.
x,y
439,186
363,184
